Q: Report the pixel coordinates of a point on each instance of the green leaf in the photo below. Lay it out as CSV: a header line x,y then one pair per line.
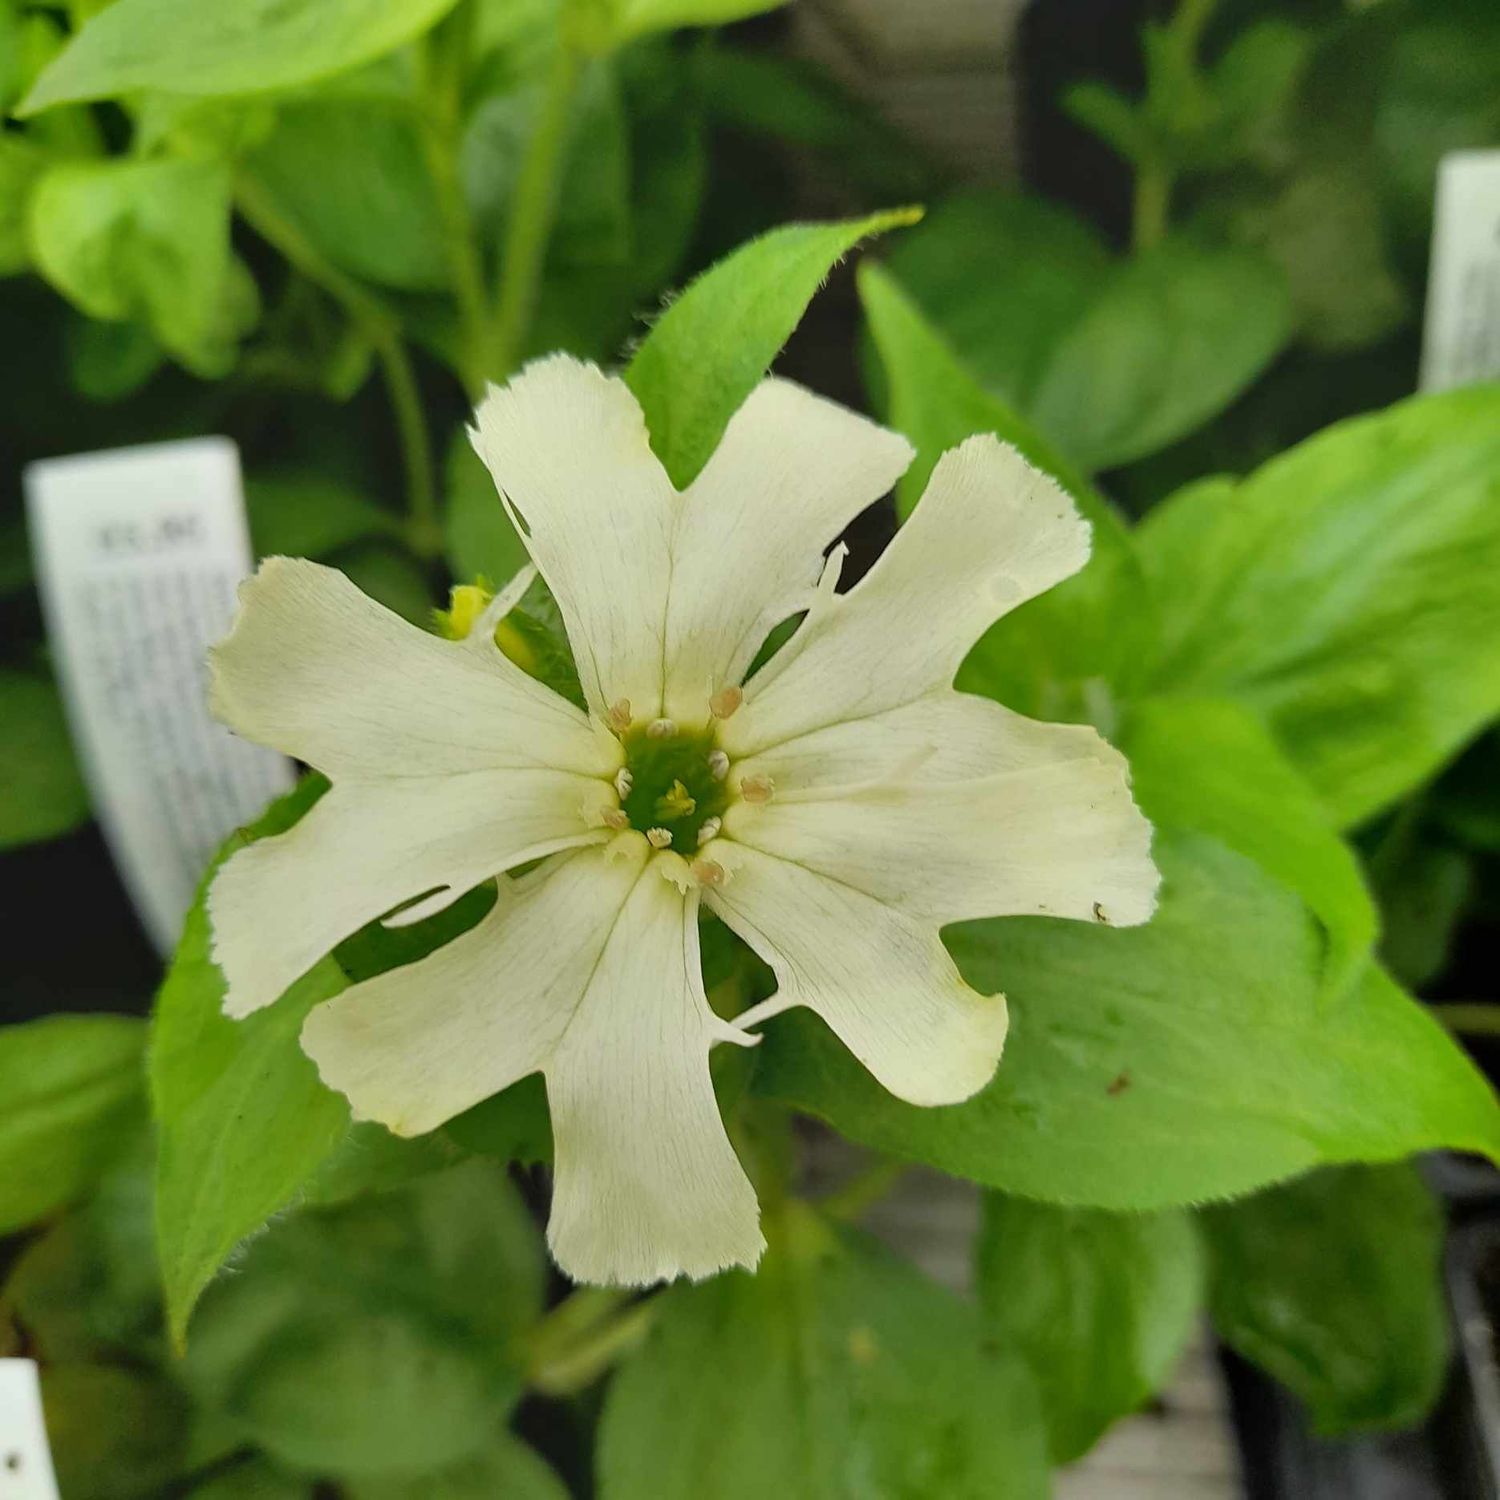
x,y
1331,1284
42,793
711,347
1349,591
634,18
255,1479
1101,1306
1092,625
307,515
1211,765
378,1337
242,1121
21,164
150,240
1188,1059
837,1371
389,574
480,541
1178,333
513,1125
507,1468
186,47
109,361
374,211
72,1087
115,1433
1003,327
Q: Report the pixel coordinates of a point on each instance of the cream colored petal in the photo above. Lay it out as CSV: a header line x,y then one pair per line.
x,y
880,978
1061,840
941,736
280,904
588,971
647,1186
567,447
990,533
317,669
790,473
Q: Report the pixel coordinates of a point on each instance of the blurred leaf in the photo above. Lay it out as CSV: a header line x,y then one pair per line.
x,y
243,1122
711,347
635,18
370,1159
1188,1059
391,576
72,1087
186,47
1465,799
1089,626
1211,766
480,541
115,1433
109,361
508,1469
1424,889
42,794
21,164
1176,335
1331,1284
1100,1305
376,1338
254,1479
306,515
836,1370
513,1125
1001,277
1349,591
148,240
371,209
1119,122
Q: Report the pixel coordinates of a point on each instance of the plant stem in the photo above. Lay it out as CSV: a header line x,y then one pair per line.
x,y
381,327
445,60
533,210
848,1202
582,1336
1473,1018
1153,198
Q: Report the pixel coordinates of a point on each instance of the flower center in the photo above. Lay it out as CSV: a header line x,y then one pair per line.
x,y
675,783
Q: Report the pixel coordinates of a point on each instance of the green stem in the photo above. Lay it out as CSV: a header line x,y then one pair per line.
x,y
1469,1019
868,1187
533,210
445,61
1153,200
582,1336
260,210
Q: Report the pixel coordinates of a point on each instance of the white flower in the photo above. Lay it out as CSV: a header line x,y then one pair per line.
x,y
835,810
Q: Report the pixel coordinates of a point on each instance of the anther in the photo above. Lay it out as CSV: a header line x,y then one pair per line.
x,y
757,788
677,803
623,782
617,715
708,872
718,765
659,838
725,701
615,817
661,729
709,830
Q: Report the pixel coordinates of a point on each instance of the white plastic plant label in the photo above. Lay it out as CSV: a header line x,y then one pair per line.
x,y
138,556
25,1460
1461,338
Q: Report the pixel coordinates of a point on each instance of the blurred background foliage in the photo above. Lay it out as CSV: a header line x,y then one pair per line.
x,y
322,237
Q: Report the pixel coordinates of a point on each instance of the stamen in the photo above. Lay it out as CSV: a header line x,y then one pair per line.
x,y
617,716
725,701
661,729
659,838
757,788
709,830
623,782
615,817
677,803
708,872
718,765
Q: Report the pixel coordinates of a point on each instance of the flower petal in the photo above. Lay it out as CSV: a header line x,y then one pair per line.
x,y
790,474
317,669
280,904
587,970
990,533
879,977
567,447
1061,840
941,736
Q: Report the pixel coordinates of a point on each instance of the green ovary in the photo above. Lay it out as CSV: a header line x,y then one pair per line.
x,y
672,786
